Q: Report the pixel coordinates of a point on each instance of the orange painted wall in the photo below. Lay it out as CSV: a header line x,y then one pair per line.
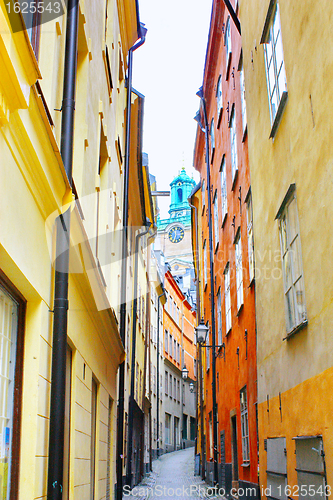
x,y
232,375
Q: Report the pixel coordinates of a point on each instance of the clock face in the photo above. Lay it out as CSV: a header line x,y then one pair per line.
x,y
176,234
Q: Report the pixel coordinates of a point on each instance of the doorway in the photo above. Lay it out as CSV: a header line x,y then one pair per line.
x,y
234,452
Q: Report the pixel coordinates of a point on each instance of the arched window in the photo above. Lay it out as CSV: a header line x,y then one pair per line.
x,y
180,195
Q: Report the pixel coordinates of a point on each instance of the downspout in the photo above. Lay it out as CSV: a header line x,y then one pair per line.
x,y
59,350
121,380
134,322
199,374
212,291
158,373
182,364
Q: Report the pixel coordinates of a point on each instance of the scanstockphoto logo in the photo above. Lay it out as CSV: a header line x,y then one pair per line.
x,y
73,249
35,12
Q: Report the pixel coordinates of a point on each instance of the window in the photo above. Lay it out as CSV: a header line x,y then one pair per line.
x,y
170,386
178,352
224,202
277,467
292,263
178,391
174,388
207,356
93,438
274,64
11,347
170,344
227,43
233,143
310,460
166,340
212,139
167,428
219,101
210,435
219,318
195,367
244,426
249,218
243,101
205,262
32,22
166,383
227,299
154,379
203,193
175,349
216,219
239,271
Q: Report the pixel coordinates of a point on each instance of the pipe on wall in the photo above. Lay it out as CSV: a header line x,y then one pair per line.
x,y
121,378
59,348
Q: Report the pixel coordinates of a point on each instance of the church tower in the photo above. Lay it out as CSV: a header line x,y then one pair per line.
x,y
174,233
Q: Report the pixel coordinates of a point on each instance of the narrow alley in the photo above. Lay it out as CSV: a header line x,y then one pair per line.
x,y
173,478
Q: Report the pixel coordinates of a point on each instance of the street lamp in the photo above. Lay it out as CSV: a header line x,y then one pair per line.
x,y
191,387
184,373
201,332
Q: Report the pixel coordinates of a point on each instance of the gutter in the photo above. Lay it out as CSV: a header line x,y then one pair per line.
x,y
121,380
158,373
132,387
59,350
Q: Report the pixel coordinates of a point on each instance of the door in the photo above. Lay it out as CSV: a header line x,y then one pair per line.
x,y
222,440
234,452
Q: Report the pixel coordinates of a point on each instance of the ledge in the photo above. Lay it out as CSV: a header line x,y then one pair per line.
x,y
279,113
297,329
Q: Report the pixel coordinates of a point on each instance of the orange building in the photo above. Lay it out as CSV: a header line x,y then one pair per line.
x,y
179,348
226,286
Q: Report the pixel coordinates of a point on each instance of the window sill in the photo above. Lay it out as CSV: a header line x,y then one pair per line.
x,y
234,179
219,118
245,464
252,282
228,66
224,219
297,329
241,307
244,134
216,247
228,332
278,115
212,157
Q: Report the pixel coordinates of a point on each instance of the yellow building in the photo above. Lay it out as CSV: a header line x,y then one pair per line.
x,y
288,80
35,189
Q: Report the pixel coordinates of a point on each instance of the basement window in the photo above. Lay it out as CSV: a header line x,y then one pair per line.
x,y
310,467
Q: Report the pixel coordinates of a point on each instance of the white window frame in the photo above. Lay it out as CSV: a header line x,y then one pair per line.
x,y
233,144
250,242
203,193
245,426
212,139
216,219
219,317
291,256
227,43
205,262
243,99
239,270
274,65
224,199
227,299
219,100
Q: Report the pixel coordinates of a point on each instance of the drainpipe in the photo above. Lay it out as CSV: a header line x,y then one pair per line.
x,y
134,322
158,373
121,380
212,291
58,376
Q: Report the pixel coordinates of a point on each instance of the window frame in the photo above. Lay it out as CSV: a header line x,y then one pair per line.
x,y
219,100
216,220
212,139
273,77
243,96
233,145
250,238
289,241
228,45
239,270
227,299
16,295
224,192
245,433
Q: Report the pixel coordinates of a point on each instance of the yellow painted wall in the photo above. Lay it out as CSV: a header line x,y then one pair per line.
x,y
299,368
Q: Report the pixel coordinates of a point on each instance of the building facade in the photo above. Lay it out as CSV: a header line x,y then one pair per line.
x,y
289,135
36,191
223,243
174,233
179,348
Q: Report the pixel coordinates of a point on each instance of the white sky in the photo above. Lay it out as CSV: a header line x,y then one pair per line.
x,y
168,70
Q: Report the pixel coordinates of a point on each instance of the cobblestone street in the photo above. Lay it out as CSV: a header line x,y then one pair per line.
x,y
172,478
